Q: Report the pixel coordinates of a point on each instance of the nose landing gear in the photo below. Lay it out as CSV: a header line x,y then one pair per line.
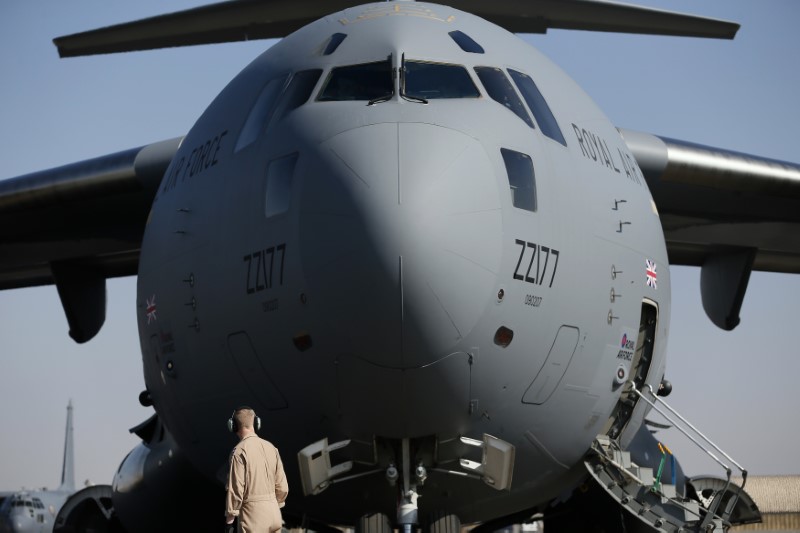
x,y
408,479
407,470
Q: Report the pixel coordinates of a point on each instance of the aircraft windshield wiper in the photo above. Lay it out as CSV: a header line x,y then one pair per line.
x,y
381,99
403,95
388,96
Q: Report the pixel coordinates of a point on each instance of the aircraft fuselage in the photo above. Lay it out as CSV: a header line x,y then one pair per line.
x,y
434,264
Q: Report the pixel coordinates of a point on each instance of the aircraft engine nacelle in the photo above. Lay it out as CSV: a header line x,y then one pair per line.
x,y
155,488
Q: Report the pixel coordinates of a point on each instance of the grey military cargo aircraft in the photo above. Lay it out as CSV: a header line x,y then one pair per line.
x,y
35,510
389,195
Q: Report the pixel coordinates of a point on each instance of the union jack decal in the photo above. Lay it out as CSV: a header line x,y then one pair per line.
x,y
650,273
151,309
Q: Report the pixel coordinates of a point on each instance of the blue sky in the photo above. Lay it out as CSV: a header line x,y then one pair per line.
x,y
743,95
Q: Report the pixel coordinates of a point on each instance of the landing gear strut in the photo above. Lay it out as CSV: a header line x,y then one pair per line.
x,y
407,509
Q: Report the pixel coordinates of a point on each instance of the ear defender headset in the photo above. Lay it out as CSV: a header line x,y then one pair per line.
x,y
233,426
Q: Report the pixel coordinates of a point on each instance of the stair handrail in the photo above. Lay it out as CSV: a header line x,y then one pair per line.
x,y
720,450
679,428
728,471
743,471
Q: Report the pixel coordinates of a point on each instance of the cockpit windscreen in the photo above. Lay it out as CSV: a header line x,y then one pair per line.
x,y
366,81
438,80
421,79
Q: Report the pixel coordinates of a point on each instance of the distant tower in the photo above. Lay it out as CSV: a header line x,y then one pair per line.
x,y
68,468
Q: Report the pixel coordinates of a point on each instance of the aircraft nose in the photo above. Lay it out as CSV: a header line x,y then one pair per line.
x,y
401,231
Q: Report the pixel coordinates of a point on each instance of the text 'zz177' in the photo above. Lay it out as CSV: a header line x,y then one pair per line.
x,y
264,268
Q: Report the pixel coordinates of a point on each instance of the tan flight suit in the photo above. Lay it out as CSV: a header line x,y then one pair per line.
x,y
257,486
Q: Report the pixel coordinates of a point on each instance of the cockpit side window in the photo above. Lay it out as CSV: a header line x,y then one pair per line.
x,y
538,105
521,179
262,112
501,90
297,92
430,81
366,81
279,97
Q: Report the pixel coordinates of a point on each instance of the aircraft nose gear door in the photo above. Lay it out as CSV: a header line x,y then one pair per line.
x,y
497,465
316,472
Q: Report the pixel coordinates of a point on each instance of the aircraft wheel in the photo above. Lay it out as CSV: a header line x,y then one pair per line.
x,y
374,523
442,522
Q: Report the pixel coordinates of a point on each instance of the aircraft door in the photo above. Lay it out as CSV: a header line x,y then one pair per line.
x,y
640,366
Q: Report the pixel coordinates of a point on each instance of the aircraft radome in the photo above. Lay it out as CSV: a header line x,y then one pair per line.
x,y
408,250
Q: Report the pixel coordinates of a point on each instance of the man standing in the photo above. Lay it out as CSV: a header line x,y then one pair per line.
x,y
257,486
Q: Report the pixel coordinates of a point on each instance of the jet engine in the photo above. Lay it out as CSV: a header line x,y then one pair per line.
x,y
156,489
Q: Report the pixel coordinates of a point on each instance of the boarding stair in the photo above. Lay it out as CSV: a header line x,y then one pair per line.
x,y
712,506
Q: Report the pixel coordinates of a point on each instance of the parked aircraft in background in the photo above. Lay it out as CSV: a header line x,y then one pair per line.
x,y
34,511
422,251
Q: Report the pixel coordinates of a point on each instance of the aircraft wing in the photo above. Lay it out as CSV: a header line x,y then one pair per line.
x,y
725,211
244,20
79,224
